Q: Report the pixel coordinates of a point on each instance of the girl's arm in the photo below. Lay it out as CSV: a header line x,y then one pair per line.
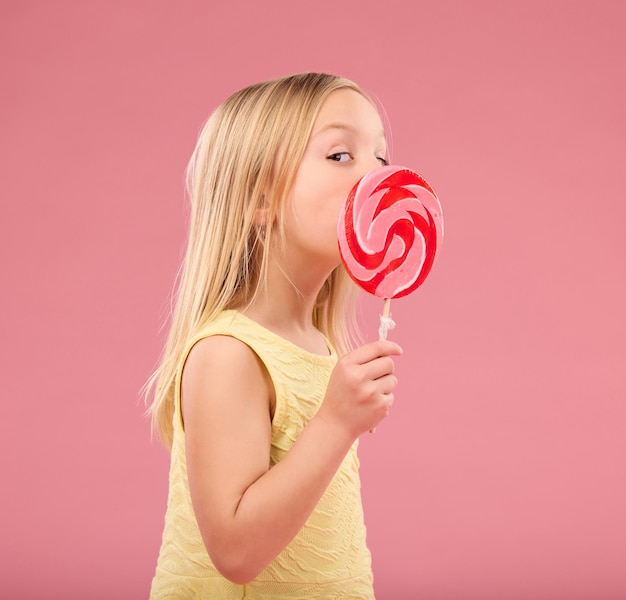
x,y
247,512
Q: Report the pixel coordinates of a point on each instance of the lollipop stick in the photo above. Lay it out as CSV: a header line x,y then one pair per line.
x,y
386,322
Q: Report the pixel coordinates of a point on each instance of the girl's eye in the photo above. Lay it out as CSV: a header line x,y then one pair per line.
x,y
340,157
383,161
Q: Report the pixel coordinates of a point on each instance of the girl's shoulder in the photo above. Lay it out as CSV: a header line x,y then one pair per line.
x,y
224,343
222,358
220,364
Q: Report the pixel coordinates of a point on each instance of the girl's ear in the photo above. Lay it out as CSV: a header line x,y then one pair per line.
x,y
261,214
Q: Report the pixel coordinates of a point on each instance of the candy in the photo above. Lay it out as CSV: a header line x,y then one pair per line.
x,y
389,231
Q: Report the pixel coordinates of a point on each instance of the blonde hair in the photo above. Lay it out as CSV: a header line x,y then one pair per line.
x,y
244,163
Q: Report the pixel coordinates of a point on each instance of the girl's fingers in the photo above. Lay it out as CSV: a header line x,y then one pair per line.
x,y
386,386
369,352
379,367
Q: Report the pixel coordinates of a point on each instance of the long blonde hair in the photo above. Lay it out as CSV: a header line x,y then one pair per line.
x,y
245,159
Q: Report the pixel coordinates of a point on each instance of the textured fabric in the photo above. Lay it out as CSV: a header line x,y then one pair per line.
x,y
328,558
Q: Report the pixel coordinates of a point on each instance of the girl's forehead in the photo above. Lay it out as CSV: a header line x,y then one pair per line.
x,y
348,110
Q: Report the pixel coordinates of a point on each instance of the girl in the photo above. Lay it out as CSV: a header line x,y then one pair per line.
x,y
261,416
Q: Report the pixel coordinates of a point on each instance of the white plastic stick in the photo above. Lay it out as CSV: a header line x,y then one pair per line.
x,y
386,322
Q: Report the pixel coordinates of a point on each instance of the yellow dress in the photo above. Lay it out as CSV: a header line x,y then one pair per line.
x,y
328,559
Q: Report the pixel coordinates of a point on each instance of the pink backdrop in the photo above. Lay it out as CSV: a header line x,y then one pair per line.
x,y
501,470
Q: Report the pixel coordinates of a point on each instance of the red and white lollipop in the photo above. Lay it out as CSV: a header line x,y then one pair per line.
x,y
389,232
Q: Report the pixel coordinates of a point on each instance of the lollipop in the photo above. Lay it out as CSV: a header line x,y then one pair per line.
x,y
389,231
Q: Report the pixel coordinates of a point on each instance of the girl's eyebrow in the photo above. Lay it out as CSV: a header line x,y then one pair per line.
x,y
343,127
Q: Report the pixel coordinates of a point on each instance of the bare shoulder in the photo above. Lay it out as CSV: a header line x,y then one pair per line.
x,y
222,367
226,353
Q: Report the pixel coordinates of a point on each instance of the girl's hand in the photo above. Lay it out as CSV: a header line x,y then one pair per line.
x,y
360,390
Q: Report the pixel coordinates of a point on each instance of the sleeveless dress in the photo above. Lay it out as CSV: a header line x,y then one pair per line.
x,y
328,559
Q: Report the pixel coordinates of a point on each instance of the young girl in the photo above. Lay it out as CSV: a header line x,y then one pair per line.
x,y
261,415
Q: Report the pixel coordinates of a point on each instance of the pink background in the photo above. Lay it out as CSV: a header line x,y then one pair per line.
x,y
501,470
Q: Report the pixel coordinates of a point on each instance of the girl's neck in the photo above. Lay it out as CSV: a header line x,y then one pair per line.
x,y
285,305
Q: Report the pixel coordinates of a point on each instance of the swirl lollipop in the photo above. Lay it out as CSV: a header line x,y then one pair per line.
x,y
389,231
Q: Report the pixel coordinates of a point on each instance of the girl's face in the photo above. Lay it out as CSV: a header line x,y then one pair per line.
x,y
347,141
